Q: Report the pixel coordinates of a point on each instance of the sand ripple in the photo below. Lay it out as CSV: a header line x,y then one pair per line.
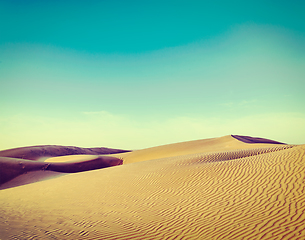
x,y
254,193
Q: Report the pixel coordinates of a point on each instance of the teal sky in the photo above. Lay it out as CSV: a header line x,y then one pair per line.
x,y
135,74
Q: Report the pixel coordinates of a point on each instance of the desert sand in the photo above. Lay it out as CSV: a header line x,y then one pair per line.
x,y
221,188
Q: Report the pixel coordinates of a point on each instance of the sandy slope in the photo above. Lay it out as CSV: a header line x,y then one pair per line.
x,y
177,149
232,190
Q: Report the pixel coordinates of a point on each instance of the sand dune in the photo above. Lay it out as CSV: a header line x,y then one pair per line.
x,y
46,151
226,189
198,146
14,162
11,168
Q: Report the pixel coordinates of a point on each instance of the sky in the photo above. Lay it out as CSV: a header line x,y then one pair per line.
x,y
137,74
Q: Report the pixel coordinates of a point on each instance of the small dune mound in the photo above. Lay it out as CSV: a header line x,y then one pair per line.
x,y
248,139
17,163
37,152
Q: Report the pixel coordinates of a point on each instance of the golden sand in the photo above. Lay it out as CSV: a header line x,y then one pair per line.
x,y
225,143
71,158
230,190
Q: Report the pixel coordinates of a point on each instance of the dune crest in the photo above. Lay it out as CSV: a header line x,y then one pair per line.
x,y
248,139
190,147
46,151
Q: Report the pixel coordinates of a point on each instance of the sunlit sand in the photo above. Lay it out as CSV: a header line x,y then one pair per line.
x,y
220,188
71,158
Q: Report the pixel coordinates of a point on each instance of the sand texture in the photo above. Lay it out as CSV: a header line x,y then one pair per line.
x,y
225,143
221,188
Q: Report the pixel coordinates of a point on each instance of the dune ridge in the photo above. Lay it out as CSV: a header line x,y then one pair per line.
x,y
225,143
251,192
248,139
46,151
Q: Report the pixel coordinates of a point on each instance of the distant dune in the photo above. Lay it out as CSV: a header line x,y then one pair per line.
x,y
11,168
37,152
232,187
15,162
